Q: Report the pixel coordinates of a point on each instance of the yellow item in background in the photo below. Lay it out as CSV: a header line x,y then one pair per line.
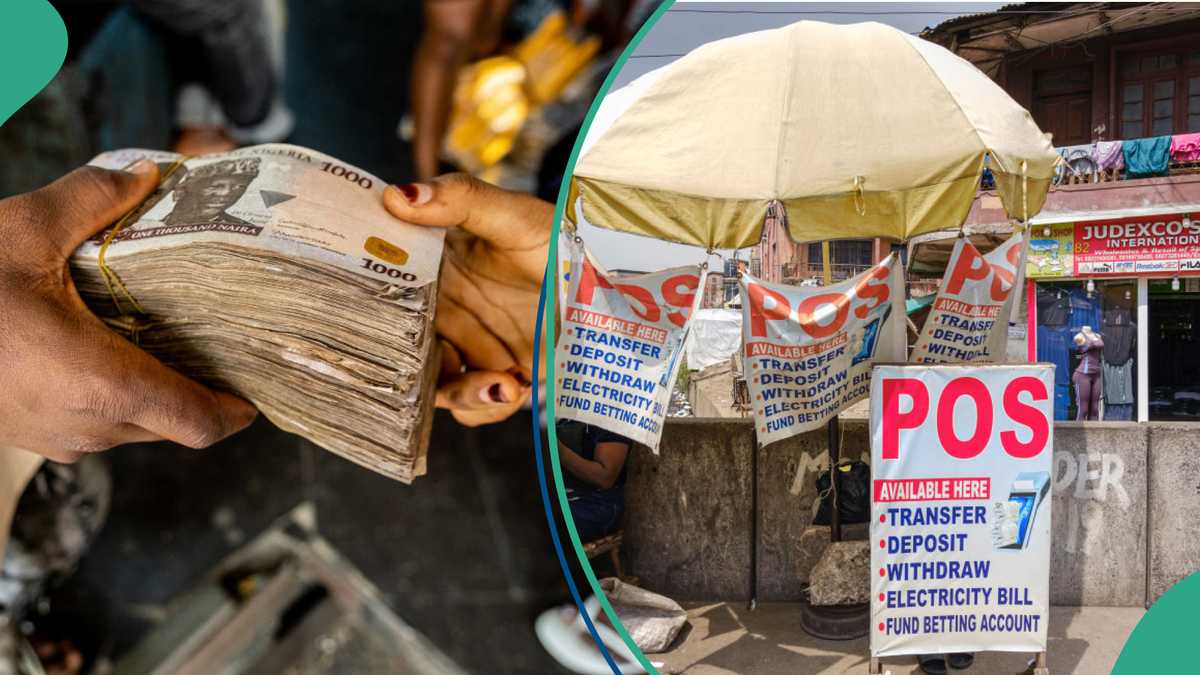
x,y
496,96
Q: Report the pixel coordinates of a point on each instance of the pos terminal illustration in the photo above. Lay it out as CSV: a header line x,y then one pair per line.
x,y
1013,519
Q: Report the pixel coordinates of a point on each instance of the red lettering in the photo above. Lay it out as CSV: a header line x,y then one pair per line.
x,y
808,308
760,314
589,281
683,300
870,289
1013,256
954,390
639,295
1028,415
970,265
893,419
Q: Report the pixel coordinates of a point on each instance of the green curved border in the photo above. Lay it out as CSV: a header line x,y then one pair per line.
x,y
33,46
551,278
1161,641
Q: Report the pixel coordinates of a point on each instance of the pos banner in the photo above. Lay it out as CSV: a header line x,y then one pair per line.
x,y
620,347
961,469
808,349
970,305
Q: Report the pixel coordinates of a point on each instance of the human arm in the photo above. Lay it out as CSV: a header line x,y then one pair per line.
x,y
455,32
603,471
71,385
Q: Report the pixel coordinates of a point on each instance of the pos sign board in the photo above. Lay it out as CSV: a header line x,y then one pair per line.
x,y
618,354
960,529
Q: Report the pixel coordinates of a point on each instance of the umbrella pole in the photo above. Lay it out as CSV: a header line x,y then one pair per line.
x,y
835,515
835,452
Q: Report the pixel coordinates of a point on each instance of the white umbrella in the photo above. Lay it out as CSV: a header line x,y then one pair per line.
x,y
859,130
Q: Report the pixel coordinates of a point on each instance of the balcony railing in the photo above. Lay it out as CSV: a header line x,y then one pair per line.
x,y
795,272
1081,167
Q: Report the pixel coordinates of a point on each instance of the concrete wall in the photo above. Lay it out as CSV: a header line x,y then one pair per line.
x,y
787,497
1099,518
688,523
715,533
1174,505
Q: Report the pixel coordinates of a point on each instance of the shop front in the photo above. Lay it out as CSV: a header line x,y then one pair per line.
x,y
1113,300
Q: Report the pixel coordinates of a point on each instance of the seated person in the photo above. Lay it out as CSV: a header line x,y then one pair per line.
x,y
593,464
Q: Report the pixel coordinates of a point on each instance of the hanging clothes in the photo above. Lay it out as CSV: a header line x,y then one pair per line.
x,y
1077,161
1053,308
1052,348
1147,156
1061,313
1108,155
1119,412
1118,384
1185,147
1120,332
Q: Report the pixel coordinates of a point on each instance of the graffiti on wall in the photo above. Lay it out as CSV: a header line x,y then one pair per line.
x,y
1089,480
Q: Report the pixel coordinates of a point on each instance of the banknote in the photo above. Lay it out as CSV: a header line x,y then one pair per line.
x,y
275,272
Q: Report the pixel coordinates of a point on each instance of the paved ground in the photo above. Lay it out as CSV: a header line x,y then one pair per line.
x,y
728,638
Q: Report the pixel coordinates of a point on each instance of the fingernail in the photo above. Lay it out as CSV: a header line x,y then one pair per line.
x,y
415,193
142,167
493,394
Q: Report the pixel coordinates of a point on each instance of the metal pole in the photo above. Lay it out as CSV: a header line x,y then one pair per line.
x,y
835,515
835,452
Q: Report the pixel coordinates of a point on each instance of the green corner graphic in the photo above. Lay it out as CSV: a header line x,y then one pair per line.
x,y
33,45
1161,641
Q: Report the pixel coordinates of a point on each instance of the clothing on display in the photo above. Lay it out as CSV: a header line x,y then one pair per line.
x,y
1108,155
1118,385
1117,373
1087,395
1147,156
1053,308
1087,376
1185,148
1077,161
1122,412
1061,312
1119,336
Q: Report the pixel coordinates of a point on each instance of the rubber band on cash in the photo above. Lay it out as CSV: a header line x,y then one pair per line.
x,y
111,280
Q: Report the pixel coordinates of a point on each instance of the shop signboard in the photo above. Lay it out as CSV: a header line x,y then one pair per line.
x,y
961,462
1129,246
620,347
808,350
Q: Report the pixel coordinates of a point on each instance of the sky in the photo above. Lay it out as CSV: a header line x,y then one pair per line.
x,y
689,24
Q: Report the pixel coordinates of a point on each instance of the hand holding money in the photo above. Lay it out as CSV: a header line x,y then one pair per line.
x,y
274,272
496,250
71,386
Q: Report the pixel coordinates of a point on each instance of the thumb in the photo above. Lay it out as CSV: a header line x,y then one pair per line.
x,y
509,220
81,203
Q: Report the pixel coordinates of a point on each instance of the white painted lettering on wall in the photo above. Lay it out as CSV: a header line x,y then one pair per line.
x,y
1089,480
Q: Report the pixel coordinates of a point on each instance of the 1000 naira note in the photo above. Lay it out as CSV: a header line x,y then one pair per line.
x,y
275,272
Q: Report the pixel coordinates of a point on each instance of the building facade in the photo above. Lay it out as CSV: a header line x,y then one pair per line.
x,y
714,290
781,260
1116,249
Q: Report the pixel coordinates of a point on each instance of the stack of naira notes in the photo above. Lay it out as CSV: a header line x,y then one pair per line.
x,y
275,272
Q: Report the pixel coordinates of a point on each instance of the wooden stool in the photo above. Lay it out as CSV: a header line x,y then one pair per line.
x,y
610,545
